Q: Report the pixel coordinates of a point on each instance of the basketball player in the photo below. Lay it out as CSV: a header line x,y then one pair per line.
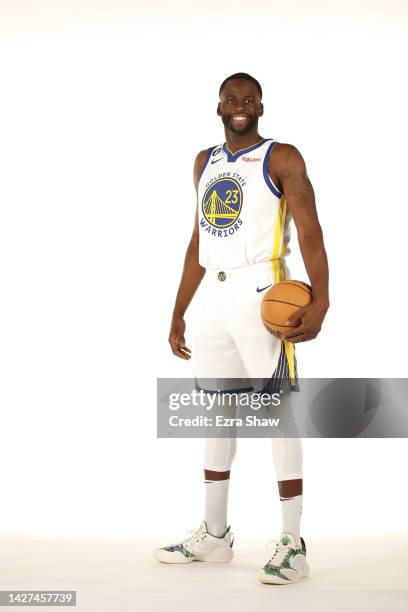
x,y
248,189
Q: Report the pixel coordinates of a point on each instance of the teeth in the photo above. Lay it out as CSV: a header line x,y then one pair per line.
x,y
239,117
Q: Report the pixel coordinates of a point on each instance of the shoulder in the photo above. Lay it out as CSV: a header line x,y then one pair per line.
x,y
284,154
202,156
285,159
199,163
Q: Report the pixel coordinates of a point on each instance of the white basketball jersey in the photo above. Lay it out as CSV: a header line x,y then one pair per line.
x,y
243,217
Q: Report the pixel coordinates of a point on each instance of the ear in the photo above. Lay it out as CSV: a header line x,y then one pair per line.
x,y
218,109
261,108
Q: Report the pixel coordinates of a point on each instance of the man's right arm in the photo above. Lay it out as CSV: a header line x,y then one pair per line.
x,y
190,279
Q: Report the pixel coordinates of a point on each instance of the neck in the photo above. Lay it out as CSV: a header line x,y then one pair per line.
x,y
235,142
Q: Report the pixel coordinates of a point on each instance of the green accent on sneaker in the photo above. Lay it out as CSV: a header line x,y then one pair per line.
x,y
178,548
285,562
273,571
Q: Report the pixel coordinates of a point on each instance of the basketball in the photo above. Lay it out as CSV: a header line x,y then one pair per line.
x,y
281,301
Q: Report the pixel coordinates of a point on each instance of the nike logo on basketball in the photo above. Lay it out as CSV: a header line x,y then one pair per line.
x,y
214,161
263,288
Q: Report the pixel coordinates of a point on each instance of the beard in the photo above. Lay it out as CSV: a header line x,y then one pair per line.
x,y
250,125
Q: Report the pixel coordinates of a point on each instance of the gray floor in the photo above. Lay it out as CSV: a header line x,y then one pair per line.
x,y
120,575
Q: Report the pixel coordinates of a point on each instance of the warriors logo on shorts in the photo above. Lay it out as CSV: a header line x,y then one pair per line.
x,y
222,203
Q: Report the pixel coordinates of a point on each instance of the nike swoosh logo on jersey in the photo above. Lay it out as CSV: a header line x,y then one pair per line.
x,y
263,288
214,161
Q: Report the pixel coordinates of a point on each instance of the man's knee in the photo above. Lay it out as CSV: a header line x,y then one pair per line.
x,y
219,454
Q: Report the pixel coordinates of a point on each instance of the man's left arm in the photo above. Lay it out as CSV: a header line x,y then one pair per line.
x,y
290,170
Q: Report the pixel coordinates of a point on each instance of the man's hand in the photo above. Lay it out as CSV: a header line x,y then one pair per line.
x,y
308,321
176,338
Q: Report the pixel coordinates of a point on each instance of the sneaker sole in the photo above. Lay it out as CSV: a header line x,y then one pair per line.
x,y
217,556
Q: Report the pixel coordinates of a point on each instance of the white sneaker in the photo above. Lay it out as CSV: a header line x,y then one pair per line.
x,y
199,546
288,562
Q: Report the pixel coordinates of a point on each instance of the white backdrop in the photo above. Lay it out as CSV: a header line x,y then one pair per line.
x,y
104,106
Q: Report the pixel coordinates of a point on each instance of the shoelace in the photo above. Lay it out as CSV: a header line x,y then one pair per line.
x,y
280,551
193,537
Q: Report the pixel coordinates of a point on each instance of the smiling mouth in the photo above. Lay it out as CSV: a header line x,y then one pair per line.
x,y
239,119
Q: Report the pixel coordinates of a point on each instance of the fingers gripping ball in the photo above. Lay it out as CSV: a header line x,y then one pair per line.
x,y
281,301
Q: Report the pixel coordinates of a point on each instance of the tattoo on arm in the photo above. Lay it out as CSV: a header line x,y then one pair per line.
x,y
296,184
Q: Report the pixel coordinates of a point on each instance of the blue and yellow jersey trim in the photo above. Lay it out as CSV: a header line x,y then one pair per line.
x,y
278,252
267,178
210,150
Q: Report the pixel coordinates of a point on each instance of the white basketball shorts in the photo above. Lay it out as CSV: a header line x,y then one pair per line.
x,y
231,342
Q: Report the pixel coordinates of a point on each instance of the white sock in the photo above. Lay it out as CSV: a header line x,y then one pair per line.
x,y
291,513
216,502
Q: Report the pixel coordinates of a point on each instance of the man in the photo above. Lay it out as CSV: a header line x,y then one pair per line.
x,y
248,188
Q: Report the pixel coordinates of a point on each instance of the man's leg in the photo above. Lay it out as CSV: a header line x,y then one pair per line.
x,y
213,540
288,561
219,455
288,460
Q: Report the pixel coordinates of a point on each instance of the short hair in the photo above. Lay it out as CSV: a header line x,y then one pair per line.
x,y
243,76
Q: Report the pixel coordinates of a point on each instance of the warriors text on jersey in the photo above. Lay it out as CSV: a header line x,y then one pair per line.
x,y
243,217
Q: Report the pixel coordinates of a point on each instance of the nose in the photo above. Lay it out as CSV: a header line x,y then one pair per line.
x,y
240,107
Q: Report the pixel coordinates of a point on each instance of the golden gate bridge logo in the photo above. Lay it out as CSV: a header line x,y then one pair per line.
x,y
222,202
